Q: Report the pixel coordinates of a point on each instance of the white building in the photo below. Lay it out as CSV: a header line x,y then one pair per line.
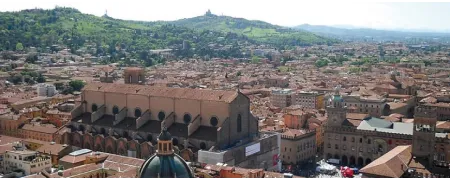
x,y
27,161
47,90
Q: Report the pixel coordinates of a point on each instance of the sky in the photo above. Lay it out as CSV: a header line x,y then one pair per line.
x,y
371,14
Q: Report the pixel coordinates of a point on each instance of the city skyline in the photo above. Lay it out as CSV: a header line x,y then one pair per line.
x,y
413,16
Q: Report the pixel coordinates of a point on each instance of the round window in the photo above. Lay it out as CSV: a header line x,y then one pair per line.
x,y
94,107
115,110
161,116
187,118
137,112
214,121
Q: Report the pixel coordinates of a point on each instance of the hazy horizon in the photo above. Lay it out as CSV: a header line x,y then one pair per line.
x,y
414,16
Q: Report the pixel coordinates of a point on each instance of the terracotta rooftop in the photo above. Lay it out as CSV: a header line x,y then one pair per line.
x,y
357,116
184,93
443,125
49,129
393,164
53,149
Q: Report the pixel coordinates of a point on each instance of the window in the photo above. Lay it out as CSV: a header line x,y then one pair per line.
x,y
353,139
360,140
161,115
337,137
115,110
187,118
137,112
203,145
353,148
94,107
239,123
336,146
214,121
368,141
329,145
360,149
345,138
344,147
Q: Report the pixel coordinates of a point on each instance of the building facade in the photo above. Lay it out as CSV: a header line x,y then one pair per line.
x,y
358,104
26,161
281,98
313,100
46,90
358,143
134,75
298,146
124,119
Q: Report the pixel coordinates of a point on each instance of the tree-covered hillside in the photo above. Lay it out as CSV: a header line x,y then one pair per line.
x,y
257,30
66,26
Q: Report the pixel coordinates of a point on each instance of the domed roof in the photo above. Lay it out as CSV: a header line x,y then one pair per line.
x,y
336,98
172,166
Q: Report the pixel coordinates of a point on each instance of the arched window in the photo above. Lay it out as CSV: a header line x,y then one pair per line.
x,y
345,138
94,107
214,121
137,112
161,115
115,110
130,78
360,140
187,118
239,123
369,141
336,146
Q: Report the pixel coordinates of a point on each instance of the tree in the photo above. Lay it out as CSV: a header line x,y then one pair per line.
x,y
239,73
19,46
31,58
77,85
40,79
321,63
256,59
15,78
59,85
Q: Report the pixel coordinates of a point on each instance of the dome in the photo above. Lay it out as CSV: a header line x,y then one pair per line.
x,y
165,167
165,163
337,98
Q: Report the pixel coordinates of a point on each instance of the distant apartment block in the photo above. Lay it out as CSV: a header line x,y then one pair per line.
x,y
25,161
313,99
46,90
281,98
286,97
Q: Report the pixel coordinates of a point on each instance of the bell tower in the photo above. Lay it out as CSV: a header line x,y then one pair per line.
x,y
424,130
336,110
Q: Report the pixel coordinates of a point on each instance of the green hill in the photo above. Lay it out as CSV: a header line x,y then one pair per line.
x,y
118,38
213,36
258,30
